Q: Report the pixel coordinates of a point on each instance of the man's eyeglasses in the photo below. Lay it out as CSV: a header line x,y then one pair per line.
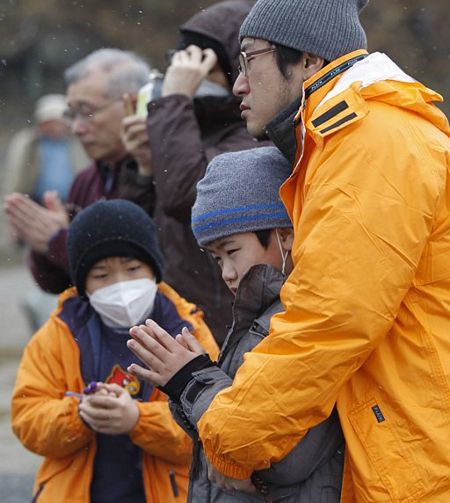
x,y
246,57
86,113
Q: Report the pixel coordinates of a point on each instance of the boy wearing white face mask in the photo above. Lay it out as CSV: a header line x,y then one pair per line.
x,y
239,218
105,435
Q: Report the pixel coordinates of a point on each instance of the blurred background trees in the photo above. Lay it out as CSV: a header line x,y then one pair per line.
x,y
39,39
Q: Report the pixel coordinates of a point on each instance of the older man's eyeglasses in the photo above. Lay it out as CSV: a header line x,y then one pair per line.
x,y
246,57
86,113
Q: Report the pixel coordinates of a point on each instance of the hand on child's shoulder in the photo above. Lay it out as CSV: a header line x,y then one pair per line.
x,y
224,482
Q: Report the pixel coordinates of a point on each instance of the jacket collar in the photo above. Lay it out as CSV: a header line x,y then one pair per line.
x,y
370,69
109,173
258,290
321,120
337,96
281,130
217,111
323,81
103,165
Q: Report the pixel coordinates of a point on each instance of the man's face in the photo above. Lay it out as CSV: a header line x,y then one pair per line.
x,y
265,92
97,119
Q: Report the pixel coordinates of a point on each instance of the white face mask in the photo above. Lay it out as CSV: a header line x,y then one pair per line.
x,y
208,88
126,303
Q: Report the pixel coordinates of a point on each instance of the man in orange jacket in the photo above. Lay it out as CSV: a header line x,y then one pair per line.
x,y
367,305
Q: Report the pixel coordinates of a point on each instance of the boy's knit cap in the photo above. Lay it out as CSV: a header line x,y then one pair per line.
x,y
326,28
114,228
239,193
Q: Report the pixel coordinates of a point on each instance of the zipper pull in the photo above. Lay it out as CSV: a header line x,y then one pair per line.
x,y
173,484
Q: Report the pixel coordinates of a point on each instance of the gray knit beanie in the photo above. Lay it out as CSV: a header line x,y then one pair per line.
x,y
326,28
239,193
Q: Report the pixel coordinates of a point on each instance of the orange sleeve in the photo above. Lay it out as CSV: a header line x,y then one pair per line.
x,y
45,421
158,434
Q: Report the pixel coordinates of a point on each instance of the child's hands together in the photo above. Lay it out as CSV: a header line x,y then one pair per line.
x,y
163,355
110,410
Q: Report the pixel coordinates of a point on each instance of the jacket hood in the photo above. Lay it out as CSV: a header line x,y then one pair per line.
x,y
221,22
378,78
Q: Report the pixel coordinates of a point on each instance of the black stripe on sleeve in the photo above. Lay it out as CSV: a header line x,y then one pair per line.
x,y
329,114
339,122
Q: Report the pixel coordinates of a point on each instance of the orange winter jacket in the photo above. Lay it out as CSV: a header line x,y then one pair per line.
x,y
367,306
47,422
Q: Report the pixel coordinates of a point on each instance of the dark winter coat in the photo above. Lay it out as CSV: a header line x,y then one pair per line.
x,y
184,136
312,472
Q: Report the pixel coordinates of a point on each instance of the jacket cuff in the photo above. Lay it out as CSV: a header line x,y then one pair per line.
x,y
76,423
227,468
175,386
139,428
201,390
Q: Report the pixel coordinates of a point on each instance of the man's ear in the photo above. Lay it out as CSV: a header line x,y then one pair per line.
x,y
311,64
286,237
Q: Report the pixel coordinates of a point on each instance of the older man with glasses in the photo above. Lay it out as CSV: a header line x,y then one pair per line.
x,y
96,87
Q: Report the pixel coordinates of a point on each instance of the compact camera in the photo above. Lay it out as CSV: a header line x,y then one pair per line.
x,y
149,92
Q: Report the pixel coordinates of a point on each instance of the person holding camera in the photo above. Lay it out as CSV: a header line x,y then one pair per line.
x,y
96,86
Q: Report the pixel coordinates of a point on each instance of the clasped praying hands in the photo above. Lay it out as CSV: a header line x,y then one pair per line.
x,y
162,354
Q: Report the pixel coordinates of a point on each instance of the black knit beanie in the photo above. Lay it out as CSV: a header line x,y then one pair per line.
x,y
188,38
114,228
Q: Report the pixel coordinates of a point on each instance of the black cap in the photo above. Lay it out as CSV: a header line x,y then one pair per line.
x,y
217,28
114,228
188,38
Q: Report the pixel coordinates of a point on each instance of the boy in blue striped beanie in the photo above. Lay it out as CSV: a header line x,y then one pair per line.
x,y
238,205
239,218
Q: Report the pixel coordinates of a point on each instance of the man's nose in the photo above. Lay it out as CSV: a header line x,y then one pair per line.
x,y
78,125
241,86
